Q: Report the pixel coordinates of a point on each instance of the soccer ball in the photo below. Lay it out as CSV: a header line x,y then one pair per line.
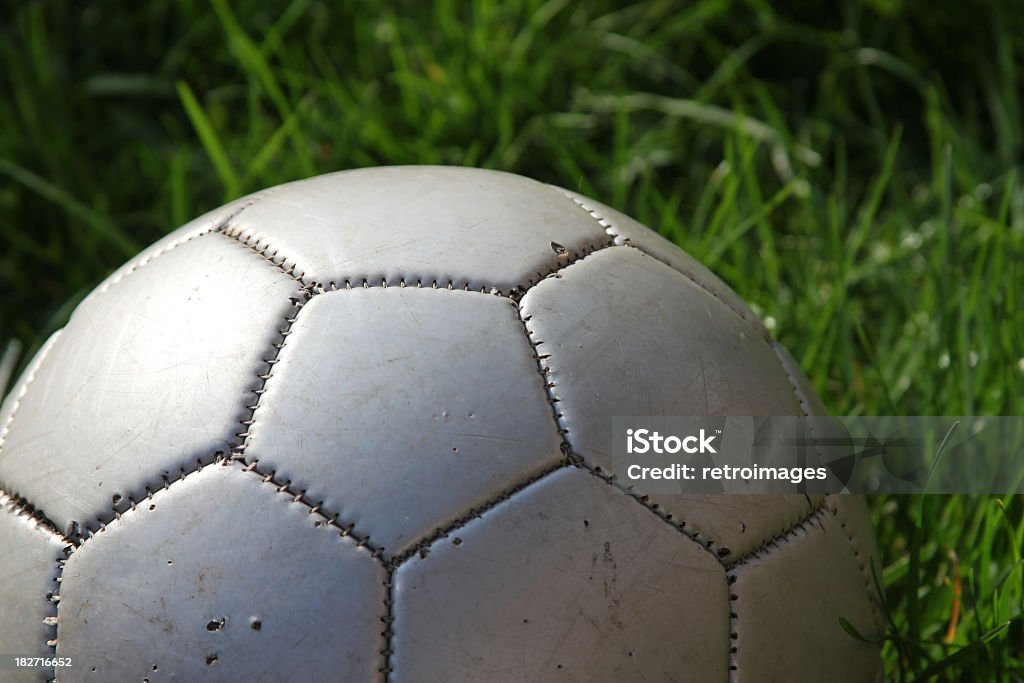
x,y
357,428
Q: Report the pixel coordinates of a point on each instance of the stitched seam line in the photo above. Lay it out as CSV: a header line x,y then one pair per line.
x,y
285,486
605,224
278,262
621,240
128,503
544,368
73,526
862,566
36,364
219,225
706,544
799,394
545,371
422,548
388,620
284,331
19,507
53,598
312,288
730,579
814,516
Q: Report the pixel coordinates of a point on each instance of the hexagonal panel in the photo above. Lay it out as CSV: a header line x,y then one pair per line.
x,y
797,589
472,227
628,335
148,376
29,556
221,578
401,408
567,580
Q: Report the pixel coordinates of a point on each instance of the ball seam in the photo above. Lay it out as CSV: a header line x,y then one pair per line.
x,y
37,363
622,240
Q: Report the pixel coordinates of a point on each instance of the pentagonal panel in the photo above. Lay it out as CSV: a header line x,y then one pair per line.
x,y
221,578
627,230
792,594
566,581
29,556
145,378
628,335
401,408
446,224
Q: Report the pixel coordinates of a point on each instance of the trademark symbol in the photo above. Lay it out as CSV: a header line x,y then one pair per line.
x,y
718,431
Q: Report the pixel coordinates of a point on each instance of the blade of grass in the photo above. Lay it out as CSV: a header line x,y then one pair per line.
x,y
211,142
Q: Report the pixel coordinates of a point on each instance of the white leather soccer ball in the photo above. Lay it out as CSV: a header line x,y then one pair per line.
x,y
357,428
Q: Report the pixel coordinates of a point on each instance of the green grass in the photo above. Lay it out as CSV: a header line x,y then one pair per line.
x,y
852,169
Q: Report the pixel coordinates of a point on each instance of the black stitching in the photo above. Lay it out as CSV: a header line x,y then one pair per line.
x,y
297,302
544,368
799,394
707,544
53,598
311,288
812,517
762,550
427,282
545,371
347,530
388,621
862,565
280,263
19,507
130,502
474,512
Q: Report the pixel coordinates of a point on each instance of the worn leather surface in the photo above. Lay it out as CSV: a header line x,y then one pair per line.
x,y
468,227
401,409
625,230
222,578
401,482
794,591
677,350
589,589
147,377
29,556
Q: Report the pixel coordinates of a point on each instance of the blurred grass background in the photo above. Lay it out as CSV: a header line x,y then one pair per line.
x,y
853,169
